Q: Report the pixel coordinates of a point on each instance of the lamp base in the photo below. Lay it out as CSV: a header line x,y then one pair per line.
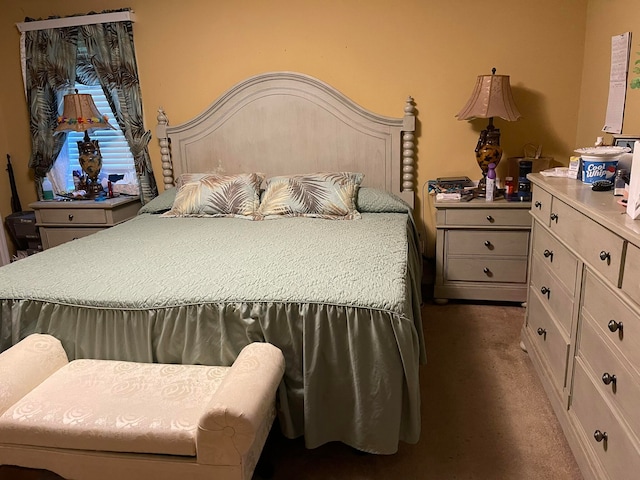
x,y
481,190
94,189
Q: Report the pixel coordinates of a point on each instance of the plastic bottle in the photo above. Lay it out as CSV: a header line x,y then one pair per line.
x,y
47,189
620,182
491,182
509,188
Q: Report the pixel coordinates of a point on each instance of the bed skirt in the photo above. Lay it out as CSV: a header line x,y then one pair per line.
x,y
351,373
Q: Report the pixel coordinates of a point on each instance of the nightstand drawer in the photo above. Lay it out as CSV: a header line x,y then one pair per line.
x,y
556,257
557,299
608,312
541,205
488,242
52,236
618,454
624,391
489,217
95,216
495,270
548,339
599,247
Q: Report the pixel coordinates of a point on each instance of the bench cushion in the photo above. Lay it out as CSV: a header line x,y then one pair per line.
x,y
115,406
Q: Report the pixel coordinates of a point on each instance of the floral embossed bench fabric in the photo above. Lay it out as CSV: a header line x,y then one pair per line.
x,y
98,419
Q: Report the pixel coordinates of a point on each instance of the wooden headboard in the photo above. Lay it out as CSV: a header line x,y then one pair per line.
x,y
283,123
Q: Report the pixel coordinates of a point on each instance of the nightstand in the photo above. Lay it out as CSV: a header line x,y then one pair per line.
x,y
481,250
60,222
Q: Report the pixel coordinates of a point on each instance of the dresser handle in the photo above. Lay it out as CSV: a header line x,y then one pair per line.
x,y
490,218
538,205
548,254
541,331
487,271
605,257
546,291
71,217
487,244
554,217
600,436
607,379
614,326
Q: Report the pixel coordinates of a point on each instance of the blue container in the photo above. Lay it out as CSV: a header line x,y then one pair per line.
x,y
600,169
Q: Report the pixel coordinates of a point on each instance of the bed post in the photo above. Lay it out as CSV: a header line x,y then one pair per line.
x,y
408,147
165,151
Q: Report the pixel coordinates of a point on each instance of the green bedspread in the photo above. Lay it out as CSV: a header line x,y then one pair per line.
x,y
340,298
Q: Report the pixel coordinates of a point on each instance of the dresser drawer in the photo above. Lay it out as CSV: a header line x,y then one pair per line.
x,y
494,270
552,294
488,217
624,390
64,216
631,274
52,236
548,339
488,242
599,247
556,257
608,312
541,205
618,454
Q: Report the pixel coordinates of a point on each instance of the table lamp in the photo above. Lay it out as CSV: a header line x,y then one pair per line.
x,y
491,97
80,114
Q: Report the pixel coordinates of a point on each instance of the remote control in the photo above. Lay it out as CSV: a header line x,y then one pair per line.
x,y
601,185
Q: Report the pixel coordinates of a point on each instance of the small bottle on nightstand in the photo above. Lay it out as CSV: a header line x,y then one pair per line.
x,y
509,188
491,182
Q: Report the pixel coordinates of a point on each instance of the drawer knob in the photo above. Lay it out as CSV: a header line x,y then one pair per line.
x,y
541,331
487,244
538,205
71,217
600,436
554,217
546,291
614,326
607,378
605,257
548,254
490,218
487,271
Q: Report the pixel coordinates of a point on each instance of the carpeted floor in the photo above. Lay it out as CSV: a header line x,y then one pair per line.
x,y
485,414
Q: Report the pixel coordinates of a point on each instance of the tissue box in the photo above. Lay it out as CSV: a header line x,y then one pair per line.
x,y
125,188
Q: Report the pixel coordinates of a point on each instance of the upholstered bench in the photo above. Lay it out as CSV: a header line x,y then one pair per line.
x,y
102,419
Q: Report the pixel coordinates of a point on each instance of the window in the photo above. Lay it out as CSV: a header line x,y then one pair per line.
x,y
116,155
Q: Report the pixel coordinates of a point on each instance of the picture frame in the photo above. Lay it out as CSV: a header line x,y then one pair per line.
x,y
625,140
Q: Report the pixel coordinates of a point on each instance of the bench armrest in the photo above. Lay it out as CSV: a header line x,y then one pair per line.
x,y
234,418
26,365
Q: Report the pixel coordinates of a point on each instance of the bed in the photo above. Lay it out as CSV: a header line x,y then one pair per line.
x,y
340,298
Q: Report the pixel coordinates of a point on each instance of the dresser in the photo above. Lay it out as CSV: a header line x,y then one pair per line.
x,y
61,221
482,250
582,327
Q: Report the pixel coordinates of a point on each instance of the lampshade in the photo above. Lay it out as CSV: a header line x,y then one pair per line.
x,y
491,97
81,114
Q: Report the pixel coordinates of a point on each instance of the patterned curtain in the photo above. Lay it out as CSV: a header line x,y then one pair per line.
x,y
110,57
50,65
94,54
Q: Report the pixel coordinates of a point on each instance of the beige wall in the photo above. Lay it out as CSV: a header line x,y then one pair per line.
x,y
376,52
606,18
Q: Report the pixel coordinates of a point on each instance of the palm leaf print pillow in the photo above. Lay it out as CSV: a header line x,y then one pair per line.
x,y
215,195
318,195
